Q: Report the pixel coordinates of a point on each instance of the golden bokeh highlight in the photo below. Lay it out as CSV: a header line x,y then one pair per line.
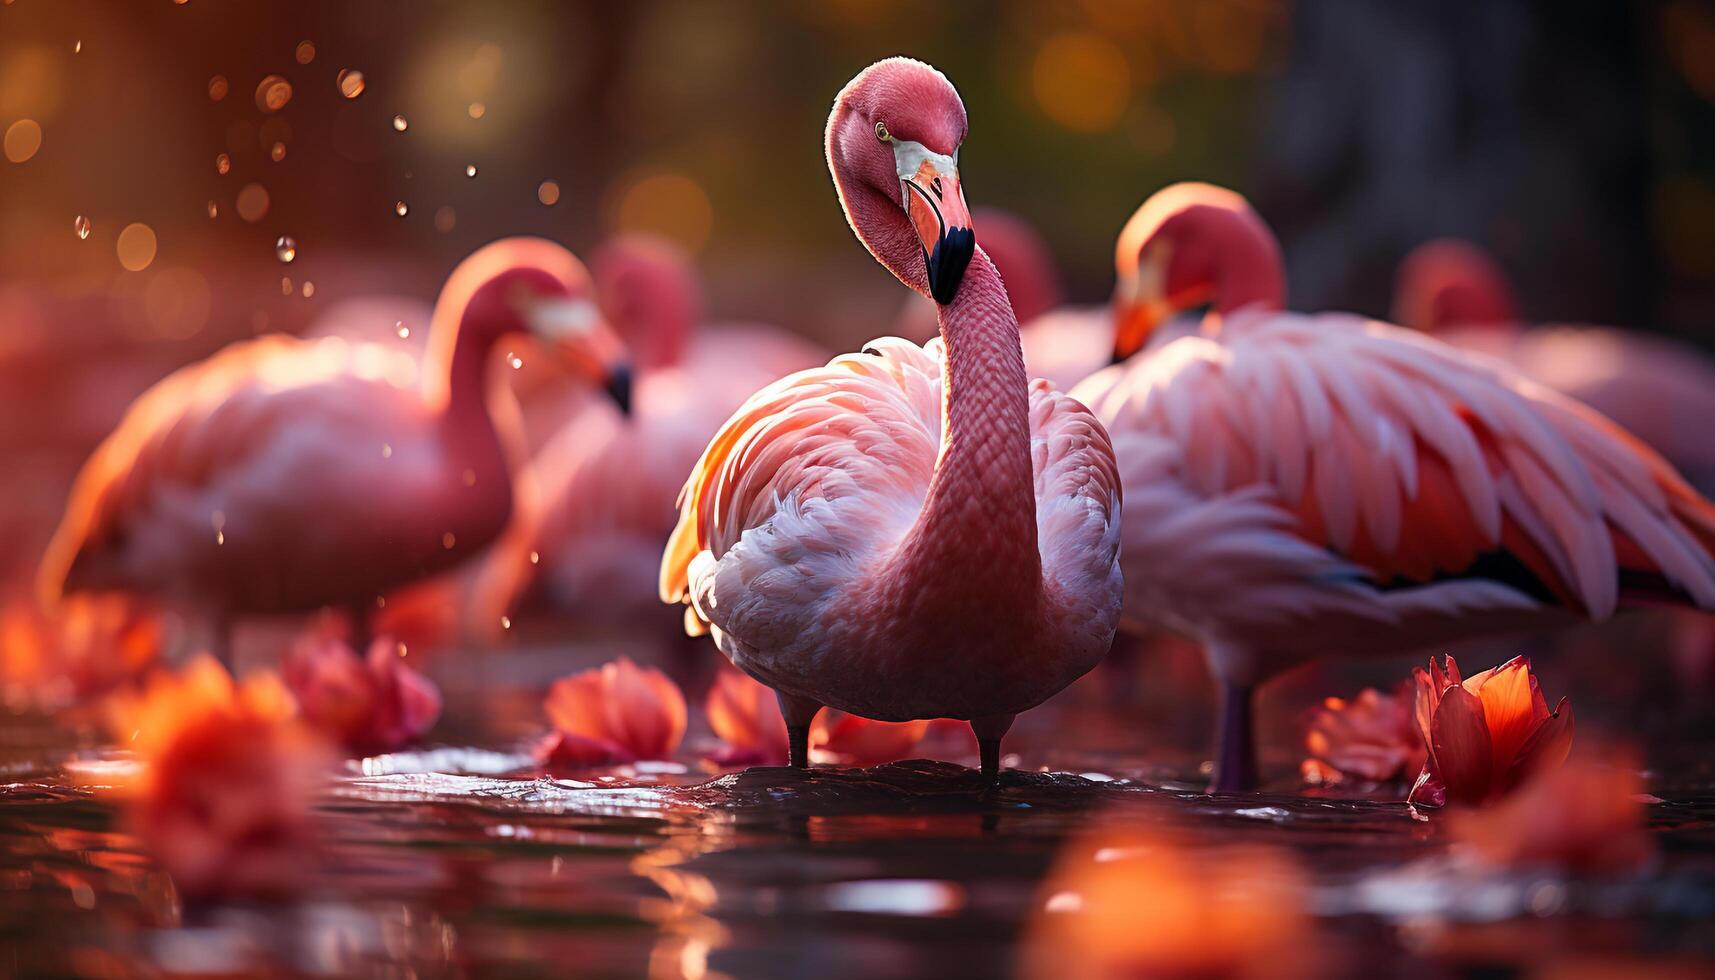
x,y
23,139
662,202
252,203
222,164
477,110
1081,81
548,192
350,82
136,246
217,87
272,93
305,52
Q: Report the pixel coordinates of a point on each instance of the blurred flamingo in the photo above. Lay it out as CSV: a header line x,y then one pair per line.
x,y
1307,485
284,475
909,532
1064,344
605,486
1659,390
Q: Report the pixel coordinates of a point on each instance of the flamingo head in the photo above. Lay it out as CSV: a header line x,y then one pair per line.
x,y
535,287
1191,245
893,147
648,290
1448,282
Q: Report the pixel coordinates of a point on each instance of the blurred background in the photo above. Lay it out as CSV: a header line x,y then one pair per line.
x,y
156,151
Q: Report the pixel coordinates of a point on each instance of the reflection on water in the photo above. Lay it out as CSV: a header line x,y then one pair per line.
x,y
459,860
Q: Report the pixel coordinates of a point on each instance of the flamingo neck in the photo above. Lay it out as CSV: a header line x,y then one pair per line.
x,y
456,371
974,545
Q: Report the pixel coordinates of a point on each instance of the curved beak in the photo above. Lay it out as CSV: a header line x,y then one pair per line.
x,y
935,203
585,344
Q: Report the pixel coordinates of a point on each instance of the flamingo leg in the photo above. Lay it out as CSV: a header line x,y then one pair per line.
x,y
798,713
989,731
1235,764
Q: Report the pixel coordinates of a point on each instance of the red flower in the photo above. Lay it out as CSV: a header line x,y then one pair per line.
x,y
1486,733
618,712
1372,737
373,705
745,715
89,646
222,798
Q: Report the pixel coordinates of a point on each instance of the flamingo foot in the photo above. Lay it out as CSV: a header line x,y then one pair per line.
x,y
989,731
1235,765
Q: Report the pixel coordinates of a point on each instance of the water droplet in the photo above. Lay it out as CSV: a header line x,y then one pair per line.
x,y
285,285
277,152
223,164
447,540
386,451
506,622
400,208
516,361
470,170
272,93
77,48
220,537
309,289
285,248
402,650
549,192
404,331
306,52
477,109
399,123
350,82
213,210
81,223
535,558
217,87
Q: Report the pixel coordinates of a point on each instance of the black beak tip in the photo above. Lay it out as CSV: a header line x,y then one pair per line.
x,y
947,263
618,387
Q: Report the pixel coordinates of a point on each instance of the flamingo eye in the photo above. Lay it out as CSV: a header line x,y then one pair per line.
x,y
882,134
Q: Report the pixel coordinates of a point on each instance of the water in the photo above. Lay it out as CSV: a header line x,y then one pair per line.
x,y
455,859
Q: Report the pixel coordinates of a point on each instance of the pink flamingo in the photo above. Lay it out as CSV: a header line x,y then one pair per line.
x,y
1305,485
909,532
284,475
605,487
1658,390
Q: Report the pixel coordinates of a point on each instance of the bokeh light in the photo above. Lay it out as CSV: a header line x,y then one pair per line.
x,y
548,192
136,246
252,203
272,93
1082,81
665,203
350,82
23,139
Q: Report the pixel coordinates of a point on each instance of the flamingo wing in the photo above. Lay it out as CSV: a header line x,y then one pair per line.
x,y
1403,461
811,478
1078,500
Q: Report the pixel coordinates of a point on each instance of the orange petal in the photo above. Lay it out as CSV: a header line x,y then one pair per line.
x,y
574,705
1506,695
1546,748
746,716
1459,737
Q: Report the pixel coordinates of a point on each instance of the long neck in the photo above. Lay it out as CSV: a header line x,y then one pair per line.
x,y
456,376
974,544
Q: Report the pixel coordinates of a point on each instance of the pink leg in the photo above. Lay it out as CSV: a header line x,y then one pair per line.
x,y
798,713
989,731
